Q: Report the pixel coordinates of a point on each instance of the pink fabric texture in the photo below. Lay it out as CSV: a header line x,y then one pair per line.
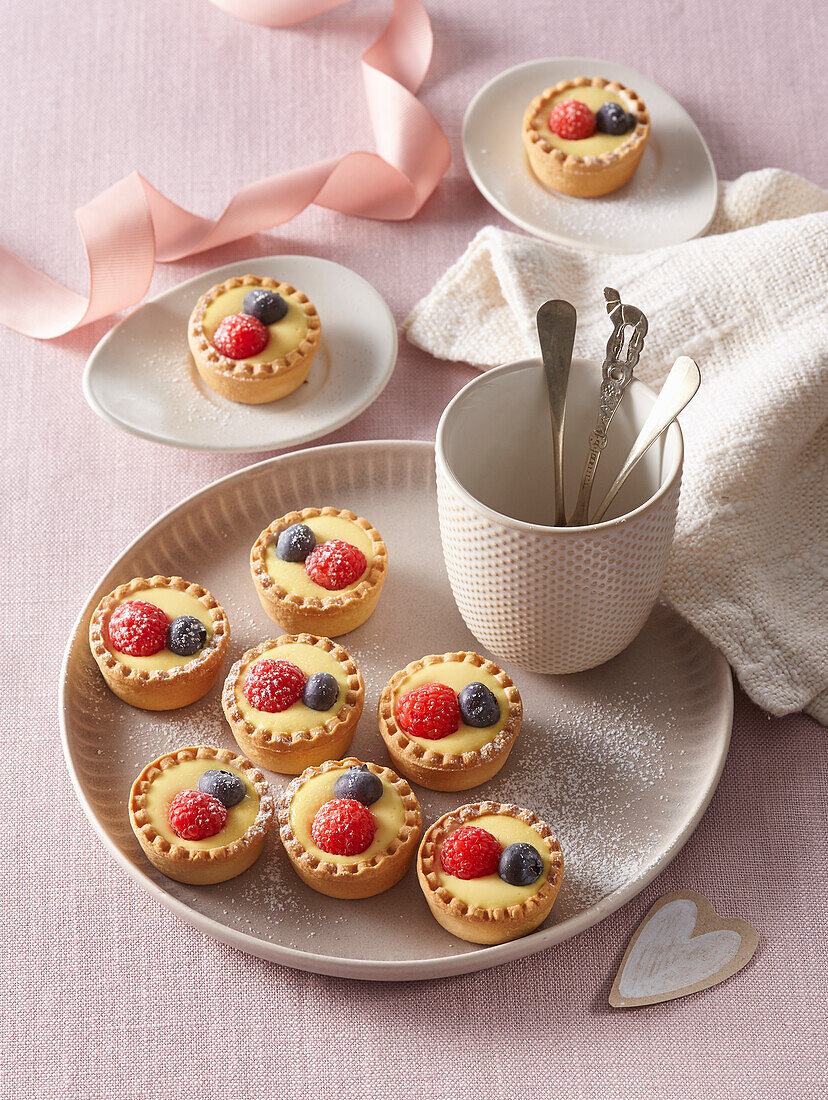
x,y
131,224
105,995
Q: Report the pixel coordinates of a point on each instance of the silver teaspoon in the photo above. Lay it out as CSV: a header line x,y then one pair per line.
x,y
556,332
617,374
679,388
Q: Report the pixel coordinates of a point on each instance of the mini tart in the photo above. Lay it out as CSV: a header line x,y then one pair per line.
x,y
489,910
277,370
470,756
164,681
399,827
298,604
296,738
592,166
219,857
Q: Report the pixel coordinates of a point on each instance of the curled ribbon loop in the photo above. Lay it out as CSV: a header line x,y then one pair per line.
x,y
131,226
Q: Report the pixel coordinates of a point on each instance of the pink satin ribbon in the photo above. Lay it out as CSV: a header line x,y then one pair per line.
x,y
131,225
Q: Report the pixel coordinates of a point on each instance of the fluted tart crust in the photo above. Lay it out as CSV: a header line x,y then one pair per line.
x,y
431,766
160,689
471,922
359,878
242,380
291,752
207,865
329,613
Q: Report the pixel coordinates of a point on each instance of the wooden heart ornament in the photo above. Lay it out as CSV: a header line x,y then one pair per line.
x,y
682,946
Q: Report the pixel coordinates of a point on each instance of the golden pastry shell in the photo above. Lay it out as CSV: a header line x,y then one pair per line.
x,y
215,649
243,367
409,832
376,571
540,102
253,834
263,736
433,758
467,815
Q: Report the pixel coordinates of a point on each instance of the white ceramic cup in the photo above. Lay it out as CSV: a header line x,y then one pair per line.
x,y
551,599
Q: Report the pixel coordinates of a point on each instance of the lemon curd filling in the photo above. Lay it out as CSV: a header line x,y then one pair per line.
x,y
173,603
291,575
490,891
285,335
587,147
388,813
184,776
457,674
310,659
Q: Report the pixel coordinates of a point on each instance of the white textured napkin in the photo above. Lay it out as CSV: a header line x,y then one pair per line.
x,y
748,302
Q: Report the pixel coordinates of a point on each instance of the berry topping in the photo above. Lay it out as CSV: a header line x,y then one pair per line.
x,y
359,784
272,686
186,635
335,564
321,691
520,865
195,815
343,827
240,336
265,305
295,543
470,853
224,786
572,120
478,705
138,628
613,119
429,711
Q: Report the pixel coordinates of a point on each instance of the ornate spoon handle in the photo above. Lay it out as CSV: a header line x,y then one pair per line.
x,y
617,375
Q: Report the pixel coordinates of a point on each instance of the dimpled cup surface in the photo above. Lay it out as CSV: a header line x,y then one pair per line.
x,y
552,600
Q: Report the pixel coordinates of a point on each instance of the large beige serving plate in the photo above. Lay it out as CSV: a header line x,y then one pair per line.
x,y
621,760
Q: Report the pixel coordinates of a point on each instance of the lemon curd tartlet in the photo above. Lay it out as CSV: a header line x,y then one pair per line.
x,y
449,720
159,642
201,814
319,570
253,338
489,871
350,829
585,137
293,702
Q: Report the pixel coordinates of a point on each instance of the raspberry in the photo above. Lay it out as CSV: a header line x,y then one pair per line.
x,y
343,827
240,336
572,120
335,564
138,628
430,711
195,815
273,685
470,853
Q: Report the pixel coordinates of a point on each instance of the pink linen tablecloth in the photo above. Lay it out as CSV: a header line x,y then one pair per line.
x,y
105,994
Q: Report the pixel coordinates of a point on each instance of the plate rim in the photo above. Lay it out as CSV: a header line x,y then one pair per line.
x,y
564,239
372,969
296,440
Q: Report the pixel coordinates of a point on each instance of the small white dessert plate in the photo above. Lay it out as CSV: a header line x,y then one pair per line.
x,y
671,198
621,760
141,376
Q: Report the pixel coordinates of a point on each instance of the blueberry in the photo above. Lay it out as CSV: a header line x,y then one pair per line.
x,y
478,706
520,864
632,122
321,691
295,543
224,786
359,783
611,118
264,305
186,635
